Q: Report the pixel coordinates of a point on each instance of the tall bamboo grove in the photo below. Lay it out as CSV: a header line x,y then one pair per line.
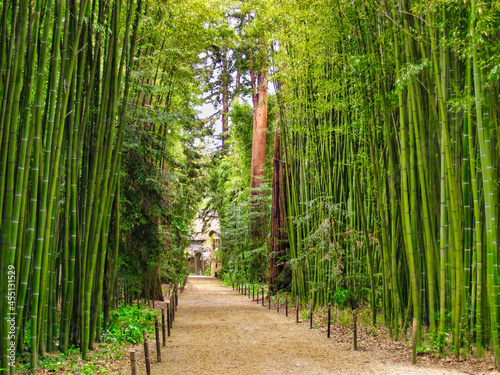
x,y
64,71
389,123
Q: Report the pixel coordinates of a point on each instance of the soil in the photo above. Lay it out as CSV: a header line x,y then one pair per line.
x,y
219,331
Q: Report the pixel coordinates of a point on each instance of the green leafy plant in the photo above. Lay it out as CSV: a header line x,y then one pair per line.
x,y
305,314
424,349
341,297
127,322
440,341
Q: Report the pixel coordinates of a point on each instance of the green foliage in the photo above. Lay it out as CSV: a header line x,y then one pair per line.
x,y
341,297
70,363
241,134
245,256
305,314
163,168
27,334
439,341
437,345
242,254
345,318
424,349
127,322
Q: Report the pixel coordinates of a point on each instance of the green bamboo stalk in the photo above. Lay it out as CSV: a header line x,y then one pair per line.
x,y
9,156
405,206
48,190
489,195
113,261
12,68
478,231
452,191
426,217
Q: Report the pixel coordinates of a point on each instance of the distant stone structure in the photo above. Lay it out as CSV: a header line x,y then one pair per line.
x,y
204,243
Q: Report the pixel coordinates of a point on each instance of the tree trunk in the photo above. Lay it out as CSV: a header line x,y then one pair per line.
x,y
279,237
259,134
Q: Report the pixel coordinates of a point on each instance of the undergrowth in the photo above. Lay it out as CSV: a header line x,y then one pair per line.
x,y
125,328
127,322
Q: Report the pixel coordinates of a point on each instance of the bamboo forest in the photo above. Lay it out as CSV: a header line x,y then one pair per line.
x,y
349,151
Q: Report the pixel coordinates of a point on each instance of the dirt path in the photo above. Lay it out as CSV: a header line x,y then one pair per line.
x,y
218,331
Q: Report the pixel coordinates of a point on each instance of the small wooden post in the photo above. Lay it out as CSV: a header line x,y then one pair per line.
x,y
414,339
286,305
253,292
233,283
153,303
311,314
269,294
297,306
164,335
146,351
176,299
329,319
172,308
278,299
133,363
355,329
184,281
172,311
257,296
169,323
263,297
157,332
245,290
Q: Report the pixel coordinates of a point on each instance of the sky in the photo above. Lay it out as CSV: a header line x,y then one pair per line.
x,y
206,110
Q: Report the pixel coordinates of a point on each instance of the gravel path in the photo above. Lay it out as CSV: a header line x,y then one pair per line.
x,y
218,331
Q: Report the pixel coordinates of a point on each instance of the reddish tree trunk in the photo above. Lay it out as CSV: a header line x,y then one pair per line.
x,y
279,237
258,146
259,133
